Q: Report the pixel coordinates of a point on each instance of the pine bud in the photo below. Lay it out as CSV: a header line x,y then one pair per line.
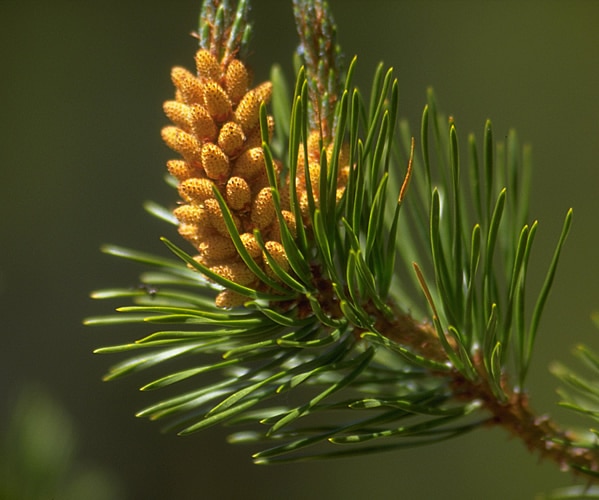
x,y
251,245
191,90
207,65
237,272
230,298
215,161
196,190
180,169
231,139
217,248
246,113
249,164
239,194
179,114
236,80
183,143
202,123
278,254
217,102
263,91
263,209
190,214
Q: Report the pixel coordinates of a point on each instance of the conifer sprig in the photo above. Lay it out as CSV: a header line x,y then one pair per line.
x,y
376,275
321,56
224,28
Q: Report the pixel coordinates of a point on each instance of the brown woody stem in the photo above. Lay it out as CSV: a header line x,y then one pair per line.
x,y
539,434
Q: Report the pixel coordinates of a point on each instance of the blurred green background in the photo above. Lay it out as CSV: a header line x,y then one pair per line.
x,y
82,86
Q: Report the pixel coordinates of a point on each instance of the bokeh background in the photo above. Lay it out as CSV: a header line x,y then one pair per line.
x,y
82,85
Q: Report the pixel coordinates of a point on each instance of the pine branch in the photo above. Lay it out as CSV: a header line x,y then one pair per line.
x,y
317,239
512,412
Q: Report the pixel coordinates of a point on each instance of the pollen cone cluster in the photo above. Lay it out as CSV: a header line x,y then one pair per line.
x,y
216,131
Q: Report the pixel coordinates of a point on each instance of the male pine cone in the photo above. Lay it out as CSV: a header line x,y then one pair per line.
x,y
216,130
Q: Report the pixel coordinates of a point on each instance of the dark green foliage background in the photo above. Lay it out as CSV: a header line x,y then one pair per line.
x,y
82,85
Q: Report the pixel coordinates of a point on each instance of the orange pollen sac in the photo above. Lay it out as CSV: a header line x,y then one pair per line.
x,y
215,162
308,171
237,272
217,102
231,139
190,214
247,113
237,80
196,190
183,143
263,209
202,123
189,87
179,169
251,245
215,117
277,253
216,248
229,298
207,65
179,114
250,163
239,194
